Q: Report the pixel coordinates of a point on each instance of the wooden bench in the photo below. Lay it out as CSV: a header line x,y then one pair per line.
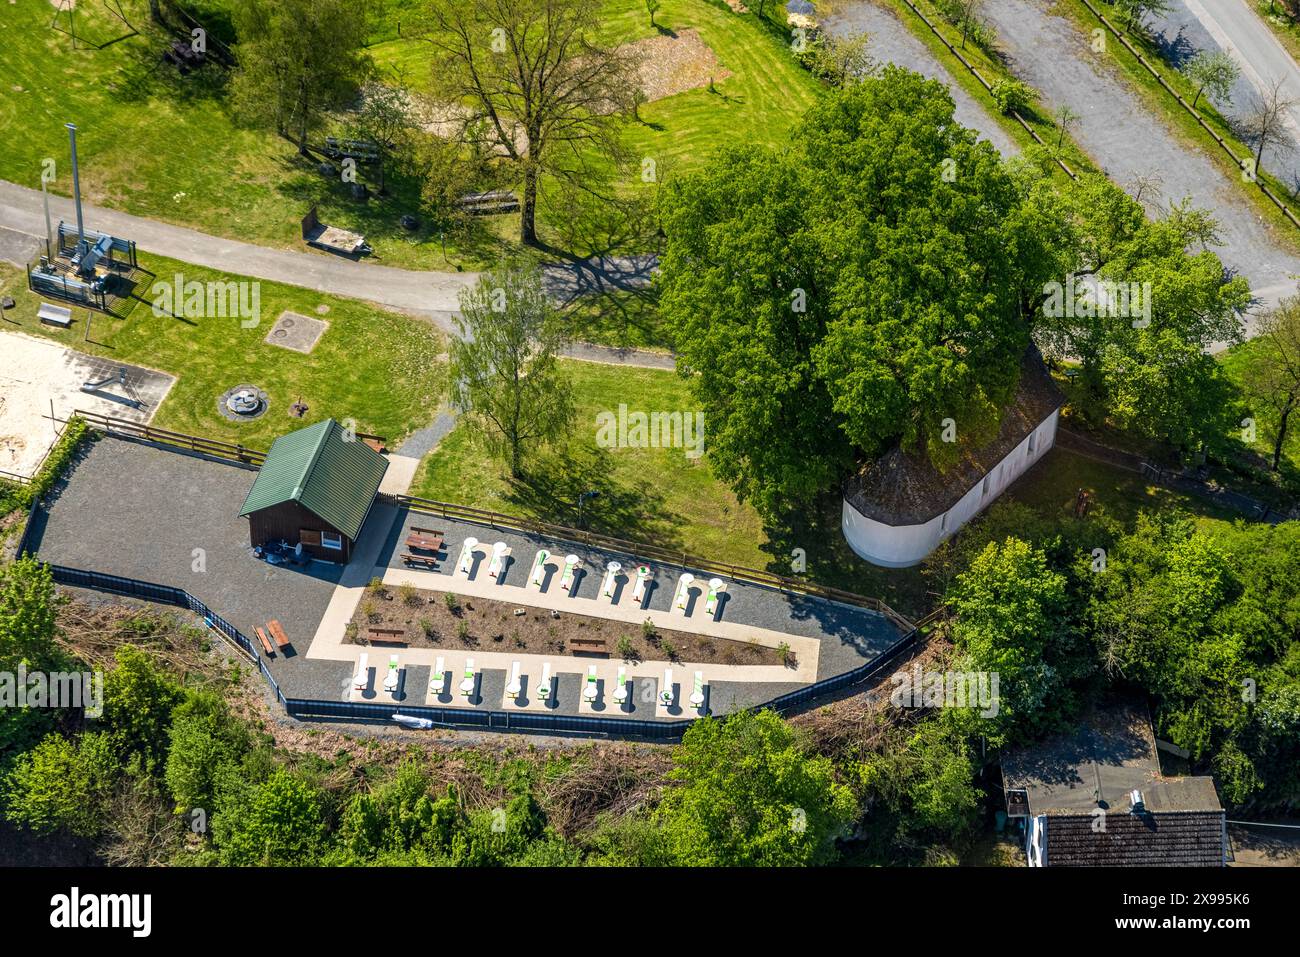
x,y
425,539
55,315
489,204
386,636
588,646
376,443
266,642
277,632
426,560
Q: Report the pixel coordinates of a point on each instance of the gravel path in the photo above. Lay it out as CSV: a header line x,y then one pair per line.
x,y
1127,140
1231,26
889,40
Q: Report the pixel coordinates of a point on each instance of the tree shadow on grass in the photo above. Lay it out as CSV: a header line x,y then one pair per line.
x,y
379,216
814,537
551,487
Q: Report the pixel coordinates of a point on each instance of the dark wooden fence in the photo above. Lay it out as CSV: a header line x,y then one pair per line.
x,y
461,717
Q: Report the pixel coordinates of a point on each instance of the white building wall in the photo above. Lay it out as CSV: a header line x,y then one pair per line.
x,y
900,546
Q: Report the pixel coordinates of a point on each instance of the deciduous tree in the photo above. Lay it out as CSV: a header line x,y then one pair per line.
x,y
300,59
505,370
549,90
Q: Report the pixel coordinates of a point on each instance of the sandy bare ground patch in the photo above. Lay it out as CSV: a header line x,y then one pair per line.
x,y
664,65
675,63
37,372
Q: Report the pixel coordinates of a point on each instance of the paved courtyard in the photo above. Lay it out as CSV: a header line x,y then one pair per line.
x,y
135,510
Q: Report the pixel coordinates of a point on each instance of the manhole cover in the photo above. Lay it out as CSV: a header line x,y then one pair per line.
x,y
297,332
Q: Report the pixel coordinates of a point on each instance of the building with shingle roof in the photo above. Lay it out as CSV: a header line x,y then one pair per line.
x,y
900,508
315,489
1096,798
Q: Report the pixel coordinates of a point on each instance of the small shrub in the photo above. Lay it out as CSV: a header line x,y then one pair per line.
x,y
409,594
377,587
786,653
1012,95
426,626
626,649
669,649
648,631
452,602
462,630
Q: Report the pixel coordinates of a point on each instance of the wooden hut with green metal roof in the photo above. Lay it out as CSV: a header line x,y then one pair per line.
x,y
315,489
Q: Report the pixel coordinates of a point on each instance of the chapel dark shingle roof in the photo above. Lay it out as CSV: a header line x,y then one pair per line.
x,y
903,488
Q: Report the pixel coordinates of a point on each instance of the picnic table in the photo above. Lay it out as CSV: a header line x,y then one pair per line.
x,y
424,539
277,632
332,238
266,642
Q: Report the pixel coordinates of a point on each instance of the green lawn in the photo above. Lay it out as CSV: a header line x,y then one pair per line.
x,y
159,145
758,104
1051,486
651,495
168,147
382,369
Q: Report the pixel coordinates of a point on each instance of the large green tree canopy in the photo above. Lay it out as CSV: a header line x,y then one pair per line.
x,y
855,289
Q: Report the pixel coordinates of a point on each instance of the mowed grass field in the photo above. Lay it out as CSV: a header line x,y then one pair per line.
x,y
157,144
654,495
386,371
766,93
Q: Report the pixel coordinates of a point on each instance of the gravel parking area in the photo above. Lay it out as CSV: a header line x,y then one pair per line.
x,y
1126,139
131,509
889,40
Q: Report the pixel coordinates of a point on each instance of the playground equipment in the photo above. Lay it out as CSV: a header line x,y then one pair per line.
x,y
69,7
120,379
47,280
69,241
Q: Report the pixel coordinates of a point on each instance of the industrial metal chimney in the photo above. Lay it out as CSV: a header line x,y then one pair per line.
x,y
76,188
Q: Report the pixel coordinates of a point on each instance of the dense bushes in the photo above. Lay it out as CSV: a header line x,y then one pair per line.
x,y
14,496
1204,621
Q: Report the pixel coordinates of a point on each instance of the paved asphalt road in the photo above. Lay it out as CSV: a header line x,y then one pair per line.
x,y
1232,26
434,295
